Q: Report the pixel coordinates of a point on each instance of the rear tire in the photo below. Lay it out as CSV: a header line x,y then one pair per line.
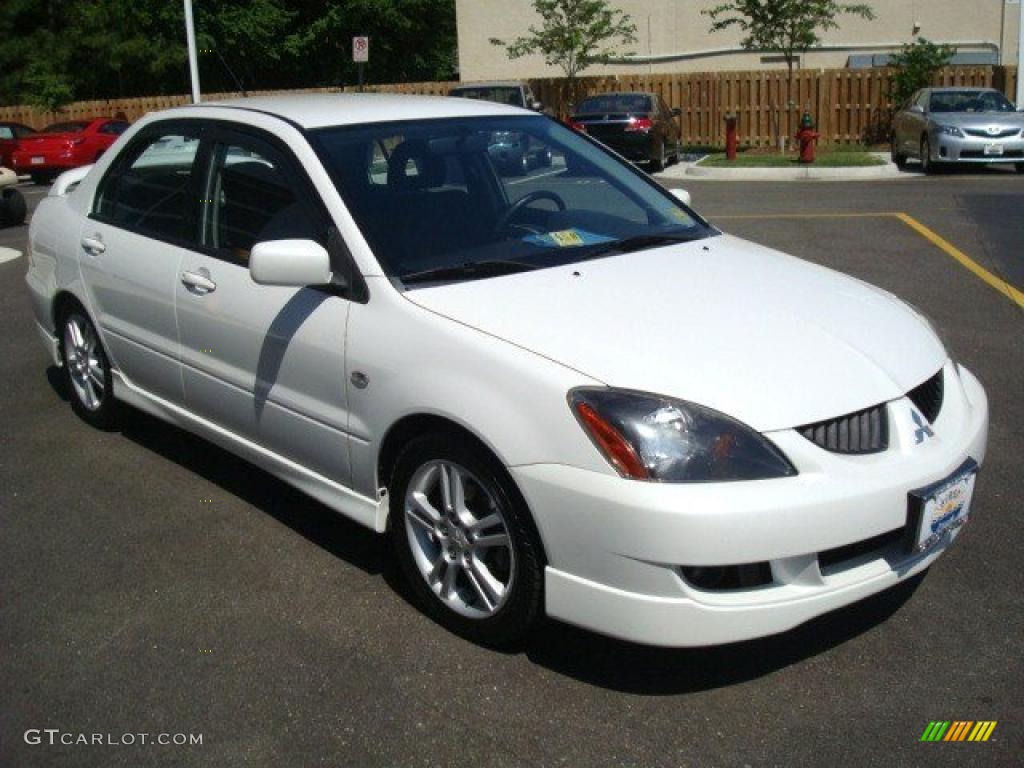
x,y
658,161
86,370
12,207
489,593
1019,167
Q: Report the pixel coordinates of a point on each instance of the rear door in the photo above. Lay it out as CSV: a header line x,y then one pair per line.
x,y
142,225
265,362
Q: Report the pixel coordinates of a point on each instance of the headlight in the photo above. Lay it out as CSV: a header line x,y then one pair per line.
x,y
649,437
950,130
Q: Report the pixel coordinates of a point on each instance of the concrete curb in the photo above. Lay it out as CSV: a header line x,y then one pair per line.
x,y
874,172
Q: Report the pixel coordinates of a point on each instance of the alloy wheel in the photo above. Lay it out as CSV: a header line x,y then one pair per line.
x,y
459,539
85,362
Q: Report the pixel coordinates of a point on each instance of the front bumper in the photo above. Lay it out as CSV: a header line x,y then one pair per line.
x,y
617,548
972,149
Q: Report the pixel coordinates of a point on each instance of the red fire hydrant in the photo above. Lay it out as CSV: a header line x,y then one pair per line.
x,y
730,136
807,137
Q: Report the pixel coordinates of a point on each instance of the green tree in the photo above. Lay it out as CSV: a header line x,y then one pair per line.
x,y
788,27
573,35
914,66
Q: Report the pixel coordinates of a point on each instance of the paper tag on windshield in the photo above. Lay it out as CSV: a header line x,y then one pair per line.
x,y
566,238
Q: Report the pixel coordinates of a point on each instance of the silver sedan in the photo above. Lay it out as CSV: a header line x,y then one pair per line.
x,y
958,125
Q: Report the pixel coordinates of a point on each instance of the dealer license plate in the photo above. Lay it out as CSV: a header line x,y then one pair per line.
x,y
38,160
993,150
943,507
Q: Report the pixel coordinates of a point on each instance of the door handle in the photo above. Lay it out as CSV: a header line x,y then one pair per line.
x,y
93,245
198,282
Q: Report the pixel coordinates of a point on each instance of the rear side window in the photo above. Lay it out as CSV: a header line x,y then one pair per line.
x,y
253,198
6,132
153,193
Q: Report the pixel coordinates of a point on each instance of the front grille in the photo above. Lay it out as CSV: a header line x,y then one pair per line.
x,y
865,431
1003,133
928,397
969,154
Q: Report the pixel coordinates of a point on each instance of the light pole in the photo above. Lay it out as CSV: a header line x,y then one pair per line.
x,y
1020,58
193,64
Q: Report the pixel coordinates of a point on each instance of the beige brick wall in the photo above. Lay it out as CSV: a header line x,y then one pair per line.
x,y
670,27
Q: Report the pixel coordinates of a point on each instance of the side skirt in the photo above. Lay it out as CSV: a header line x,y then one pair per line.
x,y
371,513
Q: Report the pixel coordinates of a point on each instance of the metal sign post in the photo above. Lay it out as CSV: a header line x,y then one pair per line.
x,y
193,64
360,55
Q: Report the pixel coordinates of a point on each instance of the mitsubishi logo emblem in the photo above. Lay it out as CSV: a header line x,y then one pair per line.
x,y
921,430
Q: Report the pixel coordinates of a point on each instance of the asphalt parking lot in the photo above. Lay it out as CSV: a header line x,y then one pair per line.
x,y
151,582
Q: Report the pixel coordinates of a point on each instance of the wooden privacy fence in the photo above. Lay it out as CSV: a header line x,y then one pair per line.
x,y
848,105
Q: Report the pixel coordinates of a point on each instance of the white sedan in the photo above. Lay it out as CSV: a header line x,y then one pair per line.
x,y
564,392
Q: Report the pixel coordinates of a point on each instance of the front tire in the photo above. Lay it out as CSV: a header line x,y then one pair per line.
x,y
464,540
897,158
928,165
87,371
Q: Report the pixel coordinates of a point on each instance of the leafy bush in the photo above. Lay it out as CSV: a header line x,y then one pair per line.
x,y
914,67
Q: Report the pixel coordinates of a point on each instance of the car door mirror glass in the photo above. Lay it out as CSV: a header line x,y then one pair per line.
x,y
295,263
917,109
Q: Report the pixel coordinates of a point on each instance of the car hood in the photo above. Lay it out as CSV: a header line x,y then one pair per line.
x,y
978,119
765,337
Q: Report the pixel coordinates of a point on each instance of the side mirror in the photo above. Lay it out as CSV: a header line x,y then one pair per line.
x,y
917,109
295,263
681,195
676,112
536,106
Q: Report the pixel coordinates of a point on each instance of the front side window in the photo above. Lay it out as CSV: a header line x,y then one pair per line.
x,y
524,192
152,193
252,198
115,127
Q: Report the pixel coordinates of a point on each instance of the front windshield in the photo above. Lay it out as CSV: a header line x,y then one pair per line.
x,y
969,101
523,191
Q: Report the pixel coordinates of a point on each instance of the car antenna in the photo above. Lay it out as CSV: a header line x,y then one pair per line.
x,y
231,72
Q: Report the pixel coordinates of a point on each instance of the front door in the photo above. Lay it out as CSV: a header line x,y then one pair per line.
x,y
265,362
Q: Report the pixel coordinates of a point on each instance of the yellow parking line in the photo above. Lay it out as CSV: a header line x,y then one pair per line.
x,y
804,215
966,261
1001,285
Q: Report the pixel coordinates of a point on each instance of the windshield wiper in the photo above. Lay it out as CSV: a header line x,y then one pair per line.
x,y
469,271
639,243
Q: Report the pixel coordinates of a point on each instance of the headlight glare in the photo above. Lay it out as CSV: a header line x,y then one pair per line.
x,y
650,437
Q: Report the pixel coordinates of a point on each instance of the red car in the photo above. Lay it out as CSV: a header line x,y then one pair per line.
x,y
10,134
61,146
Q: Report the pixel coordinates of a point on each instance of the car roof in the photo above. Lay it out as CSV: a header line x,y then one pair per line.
x,y
958,89
491,84
320,110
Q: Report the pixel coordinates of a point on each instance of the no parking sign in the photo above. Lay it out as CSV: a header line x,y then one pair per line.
x,y
360,49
